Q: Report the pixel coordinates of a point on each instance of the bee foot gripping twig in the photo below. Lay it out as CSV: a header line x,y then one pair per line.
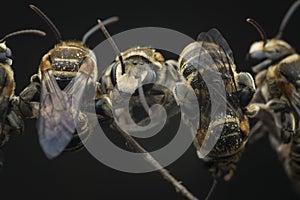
x,y
147,157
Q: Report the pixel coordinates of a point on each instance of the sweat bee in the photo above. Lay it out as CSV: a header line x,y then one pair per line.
x,y
11,120
278,93
55,93
210,57
142,75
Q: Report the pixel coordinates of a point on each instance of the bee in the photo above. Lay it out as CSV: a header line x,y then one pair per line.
x,y
55,93
278,93
11,120
210,57
143,75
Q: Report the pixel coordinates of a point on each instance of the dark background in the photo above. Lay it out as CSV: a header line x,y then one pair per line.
x,y
29,174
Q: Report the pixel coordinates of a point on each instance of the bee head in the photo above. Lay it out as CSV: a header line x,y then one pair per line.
x,y
140,64
5,52
272,49
265,52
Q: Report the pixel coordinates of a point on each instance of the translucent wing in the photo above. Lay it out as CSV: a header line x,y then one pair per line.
x,y
75,92
214,36
218,49
56,124
201,72
59,112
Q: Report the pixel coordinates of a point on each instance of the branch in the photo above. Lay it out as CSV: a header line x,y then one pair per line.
x,y
147,157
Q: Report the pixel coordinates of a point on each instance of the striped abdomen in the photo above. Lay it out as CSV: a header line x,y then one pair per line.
x,y
207,65
235,126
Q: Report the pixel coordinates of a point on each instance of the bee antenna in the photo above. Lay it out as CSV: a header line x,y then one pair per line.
x,y
258,27
48,21
212,188
112,43
286,18
96,27
21,32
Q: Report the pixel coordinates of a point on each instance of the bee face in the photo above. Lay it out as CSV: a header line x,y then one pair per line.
x,y
273,49
5,54
140,63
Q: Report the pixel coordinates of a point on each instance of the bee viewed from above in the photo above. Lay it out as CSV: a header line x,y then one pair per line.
x,y
210,57
278,94
10,118
56,92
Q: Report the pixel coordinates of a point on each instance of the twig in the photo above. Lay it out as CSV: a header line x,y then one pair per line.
x,y
147,157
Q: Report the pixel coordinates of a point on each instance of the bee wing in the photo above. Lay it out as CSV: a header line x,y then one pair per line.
x,y
82,86
75,90
218,49
56,124
214,36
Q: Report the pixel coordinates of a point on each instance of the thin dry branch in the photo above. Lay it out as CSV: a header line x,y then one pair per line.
x,y
147,157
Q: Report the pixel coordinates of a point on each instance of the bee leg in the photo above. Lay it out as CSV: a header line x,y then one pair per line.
x,y
283,119
288,127
260,78
13,124
257,132
277,105
222,167
28,101
252,110
4,133
104,109
16,122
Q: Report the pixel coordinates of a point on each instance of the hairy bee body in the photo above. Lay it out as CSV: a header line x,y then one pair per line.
x,y
156,76
7,90
278,80
279,84
197,61
276,87
10,119
56,94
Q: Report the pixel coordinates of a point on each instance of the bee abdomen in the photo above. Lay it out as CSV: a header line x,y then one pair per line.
x,y
231,139
223,166
81,134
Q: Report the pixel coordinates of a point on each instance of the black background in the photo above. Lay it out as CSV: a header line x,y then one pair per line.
x,y
29,174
